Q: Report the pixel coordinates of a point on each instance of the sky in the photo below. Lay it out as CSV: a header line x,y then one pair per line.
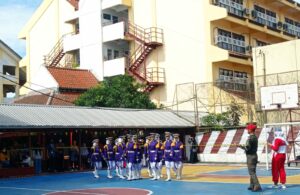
x,y
13,16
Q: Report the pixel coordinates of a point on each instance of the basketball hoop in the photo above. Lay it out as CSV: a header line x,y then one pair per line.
x,y
279,97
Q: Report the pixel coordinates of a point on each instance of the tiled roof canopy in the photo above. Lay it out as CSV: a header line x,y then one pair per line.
x,y
73,78
33,99
59,117
63,99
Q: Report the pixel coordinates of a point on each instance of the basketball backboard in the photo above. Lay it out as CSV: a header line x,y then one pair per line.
x,y
279,97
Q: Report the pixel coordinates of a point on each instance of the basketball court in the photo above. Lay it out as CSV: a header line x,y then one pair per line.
x,y
197,179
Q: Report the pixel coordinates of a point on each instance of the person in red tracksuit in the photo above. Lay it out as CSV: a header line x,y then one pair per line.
x,y
279,147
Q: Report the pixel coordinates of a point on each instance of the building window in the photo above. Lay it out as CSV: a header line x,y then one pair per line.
x,y
9,91
234,80
265,17
77,27
233,6
110,19
237,43
260,43
116,54
109,54
77,57
231,41
292,27
9,70
115,19
107,16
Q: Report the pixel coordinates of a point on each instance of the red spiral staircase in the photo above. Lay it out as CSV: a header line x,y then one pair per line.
x,y
148,40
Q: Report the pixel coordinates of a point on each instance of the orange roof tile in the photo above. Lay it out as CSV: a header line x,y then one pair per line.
x,y
33,99
68,97
73,78
63,99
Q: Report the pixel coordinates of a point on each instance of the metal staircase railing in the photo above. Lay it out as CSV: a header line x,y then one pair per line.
x,y
55,55
148,39
148,36
138,56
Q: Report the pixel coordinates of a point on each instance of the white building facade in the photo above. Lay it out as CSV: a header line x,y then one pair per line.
x,y
9,73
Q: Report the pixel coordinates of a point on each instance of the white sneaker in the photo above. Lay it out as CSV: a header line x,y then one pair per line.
x,y
178,177
154,178
283,186
274,186
109,177
122,177
168,179
95,174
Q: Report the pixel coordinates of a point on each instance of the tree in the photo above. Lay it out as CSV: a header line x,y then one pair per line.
x,y
235,111
216,121
230,118
116,92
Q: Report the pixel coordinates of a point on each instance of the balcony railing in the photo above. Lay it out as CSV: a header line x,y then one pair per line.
x,y
232,7
234,83
292,29
233,45
264,19
155,75
229,40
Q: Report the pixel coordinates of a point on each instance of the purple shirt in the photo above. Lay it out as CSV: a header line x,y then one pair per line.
x,y
146,150
168,150
108,152
177,151
96,154
131,151
152,151
139,154
119,152
160,152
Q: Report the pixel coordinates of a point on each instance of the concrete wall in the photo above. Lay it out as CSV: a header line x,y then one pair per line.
x,y
8,59
279,58
91,37
183,46
43,80
42,32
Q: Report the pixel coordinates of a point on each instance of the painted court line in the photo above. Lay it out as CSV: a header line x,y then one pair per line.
x,y
30,189
70,192
77,191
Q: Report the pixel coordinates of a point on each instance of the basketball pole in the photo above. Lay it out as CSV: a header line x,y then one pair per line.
x,y
293,141
267,162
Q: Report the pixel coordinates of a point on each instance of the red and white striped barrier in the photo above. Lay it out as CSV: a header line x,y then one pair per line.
x,y
217,146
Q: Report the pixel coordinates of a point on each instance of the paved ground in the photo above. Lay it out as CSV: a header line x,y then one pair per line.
x,y
198,179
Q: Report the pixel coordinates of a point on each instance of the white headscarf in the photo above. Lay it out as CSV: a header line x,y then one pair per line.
x,y
279,134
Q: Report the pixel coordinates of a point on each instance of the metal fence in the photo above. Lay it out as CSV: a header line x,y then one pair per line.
x,y
215,97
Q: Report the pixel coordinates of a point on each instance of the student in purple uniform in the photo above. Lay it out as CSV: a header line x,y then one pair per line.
x,y
168,157
96,157
146,156
177,152
152,153
160,153
131,148
119,157
139,157
109,156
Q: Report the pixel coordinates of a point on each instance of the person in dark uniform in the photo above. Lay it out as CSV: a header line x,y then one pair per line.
x,y
250,149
